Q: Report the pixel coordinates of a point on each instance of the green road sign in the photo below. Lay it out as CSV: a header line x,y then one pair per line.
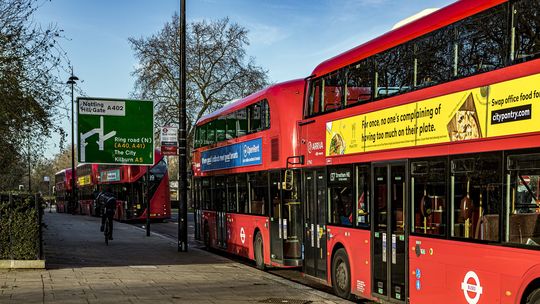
x,y
115,131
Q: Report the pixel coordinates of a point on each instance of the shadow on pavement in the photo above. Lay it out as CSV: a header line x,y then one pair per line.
x,y
73,241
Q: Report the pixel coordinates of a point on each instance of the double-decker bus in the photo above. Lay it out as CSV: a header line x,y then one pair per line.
x,y
420,162
428,187
245,201
87,185
128,184
62,189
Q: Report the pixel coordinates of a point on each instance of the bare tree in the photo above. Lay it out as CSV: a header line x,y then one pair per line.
x,y
218,69
30,88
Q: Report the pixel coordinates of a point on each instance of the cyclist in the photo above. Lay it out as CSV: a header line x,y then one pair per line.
x,y
108,207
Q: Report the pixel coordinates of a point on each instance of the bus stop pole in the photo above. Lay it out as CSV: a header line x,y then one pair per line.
x,y
182,137
147,192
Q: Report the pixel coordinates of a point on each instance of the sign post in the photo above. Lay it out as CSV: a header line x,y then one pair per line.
x,y
116,131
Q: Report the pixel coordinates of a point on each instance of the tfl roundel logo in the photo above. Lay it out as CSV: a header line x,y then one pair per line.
x,y
472,290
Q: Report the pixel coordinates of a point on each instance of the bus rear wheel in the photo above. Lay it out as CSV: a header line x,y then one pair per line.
x,y
258,251
341,274
533,297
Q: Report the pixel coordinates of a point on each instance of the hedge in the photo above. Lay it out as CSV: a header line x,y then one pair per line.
x,y
19,228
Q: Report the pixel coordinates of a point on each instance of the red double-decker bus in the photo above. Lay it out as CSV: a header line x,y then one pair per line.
x,y
245,201
62,189
128,184
87,185
420,163
428,187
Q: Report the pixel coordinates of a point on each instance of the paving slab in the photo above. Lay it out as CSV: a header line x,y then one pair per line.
x,y
135,268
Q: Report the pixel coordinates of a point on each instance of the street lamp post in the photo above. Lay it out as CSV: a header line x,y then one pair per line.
x,y
71,81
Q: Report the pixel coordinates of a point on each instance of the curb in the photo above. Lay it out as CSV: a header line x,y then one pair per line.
x,y
22,264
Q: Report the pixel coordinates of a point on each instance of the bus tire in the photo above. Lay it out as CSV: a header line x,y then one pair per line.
x,y
533,297
341,274
258,247
206,236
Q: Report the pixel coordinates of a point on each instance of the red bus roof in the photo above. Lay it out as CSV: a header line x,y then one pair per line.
x,y
440,18
241,103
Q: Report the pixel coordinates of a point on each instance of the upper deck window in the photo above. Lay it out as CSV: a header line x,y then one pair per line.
x,y
477,44
394,71
231,126
359,80
315,100
252,119
241,122
526,30
333,91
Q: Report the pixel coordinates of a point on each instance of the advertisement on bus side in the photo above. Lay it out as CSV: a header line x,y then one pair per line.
x,y
504,108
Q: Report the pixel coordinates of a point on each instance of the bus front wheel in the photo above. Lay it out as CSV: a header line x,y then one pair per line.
x,y
341,274
258,251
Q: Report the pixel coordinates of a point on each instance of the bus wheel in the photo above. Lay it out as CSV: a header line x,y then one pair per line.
x,y
259,253
533,297
206,237
341,274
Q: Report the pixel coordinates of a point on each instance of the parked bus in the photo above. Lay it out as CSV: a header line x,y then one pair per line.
x,y
428,187
127,183
420,163
62,188
241,155
87,185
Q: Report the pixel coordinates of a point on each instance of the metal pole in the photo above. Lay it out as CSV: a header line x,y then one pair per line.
x,y
182,138
147,193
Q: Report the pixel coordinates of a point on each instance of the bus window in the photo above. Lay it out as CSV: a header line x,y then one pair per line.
x,y
333,91
206,196
241,122
258,187
394,71
231,126
265,114
527,30
210,133
314,102
476,194
340,196
428,196
481,42
358,83
433,56
241,182
363,198
523,200
220,125
219,198
254,111
231,194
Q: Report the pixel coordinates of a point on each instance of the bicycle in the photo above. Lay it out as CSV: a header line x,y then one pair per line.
x,y
107,231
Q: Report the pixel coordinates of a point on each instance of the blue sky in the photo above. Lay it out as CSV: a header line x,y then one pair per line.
x,y
288,38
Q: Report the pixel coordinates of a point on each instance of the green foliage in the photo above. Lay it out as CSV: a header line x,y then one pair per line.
x,y
19,227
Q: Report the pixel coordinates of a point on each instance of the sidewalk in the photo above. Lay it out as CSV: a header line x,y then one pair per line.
x,y
139,269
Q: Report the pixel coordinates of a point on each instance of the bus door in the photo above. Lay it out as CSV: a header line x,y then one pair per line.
x,y
220,201
388,235
286,218
315,223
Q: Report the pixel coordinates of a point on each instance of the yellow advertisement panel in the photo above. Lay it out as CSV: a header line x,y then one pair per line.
x,y
501,109
512,104
84,180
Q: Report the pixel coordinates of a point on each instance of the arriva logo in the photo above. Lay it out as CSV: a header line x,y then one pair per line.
x,y
471,285
316,146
